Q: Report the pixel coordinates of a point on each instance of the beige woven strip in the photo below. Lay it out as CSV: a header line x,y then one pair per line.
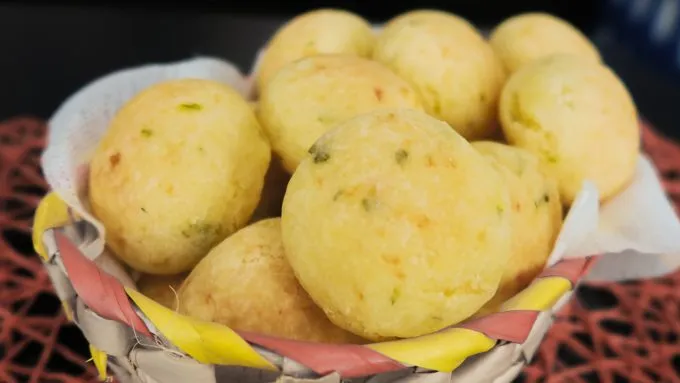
x,y
562,301
244,374
113,338
541,327
510,374
123,370
55,269
429,377
144,378
61,283
332,378
164,367
484,367
391,377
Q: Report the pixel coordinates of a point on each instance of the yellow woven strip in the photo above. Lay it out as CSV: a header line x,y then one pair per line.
x,y
541,295
446,350
442,351
67,311
51,212
208,343
99,359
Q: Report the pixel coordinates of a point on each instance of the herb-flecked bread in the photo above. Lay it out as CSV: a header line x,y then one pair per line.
x,y
312,95
180,167
396,226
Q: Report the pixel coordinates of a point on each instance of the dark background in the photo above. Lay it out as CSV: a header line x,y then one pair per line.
x,y
51,48
483,11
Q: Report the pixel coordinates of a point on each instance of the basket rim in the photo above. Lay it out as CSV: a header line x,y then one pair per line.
x,y
442,351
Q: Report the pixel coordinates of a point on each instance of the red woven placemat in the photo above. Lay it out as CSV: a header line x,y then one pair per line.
x,y
609,333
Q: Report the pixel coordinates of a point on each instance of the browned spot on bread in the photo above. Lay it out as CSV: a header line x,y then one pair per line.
x,y
422,221
378,93
161,262
118,242
391,260
212,304
114,159
430,161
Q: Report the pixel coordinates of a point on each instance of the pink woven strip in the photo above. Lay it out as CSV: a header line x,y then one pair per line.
x,y
572,269
511,326
354,361
99,290
347,359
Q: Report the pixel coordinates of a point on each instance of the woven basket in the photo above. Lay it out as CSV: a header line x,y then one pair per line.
x,y
142,341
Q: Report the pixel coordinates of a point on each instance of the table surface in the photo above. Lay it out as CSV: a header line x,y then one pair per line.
x,y
617,332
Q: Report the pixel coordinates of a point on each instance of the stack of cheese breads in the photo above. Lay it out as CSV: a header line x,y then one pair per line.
x,y
383,183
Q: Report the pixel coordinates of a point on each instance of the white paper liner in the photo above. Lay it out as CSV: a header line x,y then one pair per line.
x,y
638,229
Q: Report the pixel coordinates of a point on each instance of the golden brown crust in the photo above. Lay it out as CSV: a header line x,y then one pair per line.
x,y
247,284
455,71
180,167
578,118
396,226
528,37
322,31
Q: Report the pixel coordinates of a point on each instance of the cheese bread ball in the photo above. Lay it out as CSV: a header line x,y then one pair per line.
x,y
528,37
310,96
429,15
162,288
396,226
180,167
453,68
247,284
578,117
312,33
536,212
